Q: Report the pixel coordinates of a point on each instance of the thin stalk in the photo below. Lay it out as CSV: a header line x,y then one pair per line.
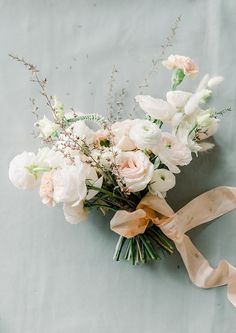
x,y
119,247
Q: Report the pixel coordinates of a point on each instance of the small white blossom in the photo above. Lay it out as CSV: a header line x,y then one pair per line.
x,y
46,128
162,181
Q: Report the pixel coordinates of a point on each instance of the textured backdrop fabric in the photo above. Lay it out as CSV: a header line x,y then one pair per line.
x,y
60,278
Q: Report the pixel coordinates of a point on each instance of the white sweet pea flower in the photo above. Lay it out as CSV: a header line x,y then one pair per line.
x,y
178,98
136,169
145,134
46,128
156,108
69,184
74,214
162,181
50,158
20,173
173,152
82,132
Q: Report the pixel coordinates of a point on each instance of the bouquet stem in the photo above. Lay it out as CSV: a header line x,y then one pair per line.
x,y
144,247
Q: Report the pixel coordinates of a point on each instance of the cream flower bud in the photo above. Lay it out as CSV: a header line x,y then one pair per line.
x,y
47,128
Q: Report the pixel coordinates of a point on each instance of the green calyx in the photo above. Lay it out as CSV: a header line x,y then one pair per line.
x,y
177,77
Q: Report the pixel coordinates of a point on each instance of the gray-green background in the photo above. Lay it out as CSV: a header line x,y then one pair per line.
x,y
59,278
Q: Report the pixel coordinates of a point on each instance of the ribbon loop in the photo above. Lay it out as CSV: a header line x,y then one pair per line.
x,y
204,208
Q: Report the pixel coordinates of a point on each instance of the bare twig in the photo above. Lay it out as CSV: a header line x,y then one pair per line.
x,y
157,61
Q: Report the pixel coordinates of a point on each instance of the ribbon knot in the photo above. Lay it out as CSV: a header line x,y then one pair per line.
x,y
204,208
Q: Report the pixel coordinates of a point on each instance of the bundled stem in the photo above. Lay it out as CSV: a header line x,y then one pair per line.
x,y
144,247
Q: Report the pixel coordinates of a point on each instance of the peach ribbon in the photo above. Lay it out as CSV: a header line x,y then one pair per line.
x,y
204,208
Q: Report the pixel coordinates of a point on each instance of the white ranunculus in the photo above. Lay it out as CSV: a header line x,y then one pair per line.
x,y
74,214
173,152
135,169
156,108
178,98
19,171
120,130
47,128
69,184
145,134
162,181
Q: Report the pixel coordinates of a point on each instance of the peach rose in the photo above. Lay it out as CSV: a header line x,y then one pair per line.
x,y
181,62
136,169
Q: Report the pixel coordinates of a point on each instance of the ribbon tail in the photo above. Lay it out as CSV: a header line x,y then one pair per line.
x,y
197,266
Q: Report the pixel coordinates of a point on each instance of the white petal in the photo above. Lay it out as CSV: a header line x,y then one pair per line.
x,y
92,193
178,98
74,215
155,107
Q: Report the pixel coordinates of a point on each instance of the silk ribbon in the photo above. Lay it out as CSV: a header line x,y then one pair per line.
x,y
204,208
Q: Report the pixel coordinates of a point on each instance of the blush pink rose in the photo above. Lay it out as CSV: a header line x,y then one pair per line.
x,y
135,169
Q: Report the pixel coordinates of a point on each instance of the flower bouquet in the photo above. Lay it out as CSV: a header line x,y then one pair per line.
x,y
128,166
